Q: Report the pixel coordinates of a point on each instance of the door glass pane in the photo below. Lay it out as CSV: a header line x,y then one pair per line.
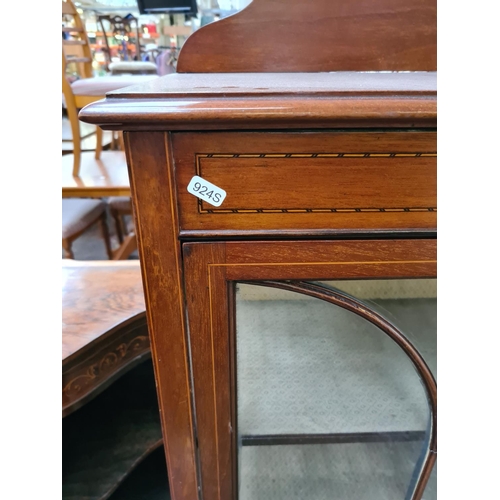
x,y
328,406
409,304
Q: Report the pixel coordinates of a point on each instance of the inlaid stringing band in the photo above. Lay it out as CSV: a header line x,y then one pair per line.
x,y
202,210
319,155
307,210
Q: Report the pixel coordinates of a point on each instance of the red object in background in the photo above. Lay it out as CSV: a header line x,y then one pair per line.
x,y
151,28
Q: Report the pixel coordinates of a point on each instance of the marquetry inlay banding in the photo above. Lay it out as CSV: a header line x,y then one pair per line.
x,y
203,210
318,155
308,210
86,375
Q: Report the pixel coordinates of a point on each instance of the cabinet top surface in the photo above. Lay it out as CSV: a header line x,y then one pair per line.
x,y
290,64
245,101
222,85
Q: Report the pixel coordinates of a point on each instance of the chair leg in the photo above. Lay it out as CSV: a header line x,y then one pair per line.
x,y
98,146
105,234
128,246
114,139
122,142
75,133
118,225
124,224
77,157
68,252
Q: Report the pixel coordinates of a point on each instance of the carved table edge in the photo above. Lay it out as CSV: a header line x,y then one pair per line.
x,y
89,373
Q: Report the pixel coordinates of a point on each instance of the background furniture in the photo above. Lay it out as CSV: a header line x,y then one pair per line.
x,y
85,173
109,406
78,215
80,88
329,174
124,29
76,53
88,140
120,208
104,326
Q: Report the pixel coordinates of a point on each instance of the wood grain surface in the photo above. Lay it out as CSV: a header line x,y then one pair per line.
x,y
168,136
155,214
318,35
208,327
210,272
104,330
322,181
107,176
270,101
96,297
333,84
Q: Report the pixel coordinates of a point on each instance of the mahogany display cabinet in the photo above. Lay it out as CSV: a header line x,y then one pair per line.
x,y
286,223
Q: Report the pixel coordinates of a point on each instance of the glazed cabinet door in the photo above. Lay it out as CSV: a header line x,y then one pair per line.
x,y
313,368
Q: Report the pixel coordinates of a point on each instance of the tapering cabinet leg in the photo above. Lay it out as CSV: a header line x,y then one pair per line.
x,y
151,182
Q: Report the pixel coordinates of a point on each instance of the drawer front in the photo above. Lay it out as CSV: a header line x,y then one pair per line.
x,y
308,181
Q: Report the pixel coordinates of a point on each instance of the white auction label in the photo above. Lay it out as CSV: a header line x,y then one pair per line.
x,y
206,191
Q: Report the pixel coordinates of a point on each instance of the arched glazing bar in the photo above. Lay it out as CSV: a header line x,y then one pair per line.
x,y
361,309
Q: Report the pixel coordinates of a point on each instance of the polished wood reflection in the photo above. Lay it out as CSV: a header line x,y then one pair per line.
x,y
104,330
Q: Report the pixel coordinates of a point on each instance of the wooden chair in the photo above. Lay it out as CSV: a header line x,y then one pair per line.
x,y
120,207
123,29
88,137
78,215
98,173
79,88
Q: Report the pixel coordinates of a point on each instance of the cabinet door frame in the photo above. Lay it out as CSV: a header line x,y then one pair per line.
x,y
211,271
